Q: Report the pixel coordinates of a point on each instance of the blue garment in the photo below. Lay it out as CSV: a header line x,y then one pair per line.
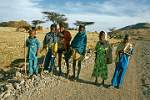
x,y
33,45
79,43
33,67
49,61
49,39
120,70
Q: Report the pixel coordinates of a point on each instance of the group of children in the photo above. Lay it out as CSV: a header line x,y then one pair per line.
x,y
59,43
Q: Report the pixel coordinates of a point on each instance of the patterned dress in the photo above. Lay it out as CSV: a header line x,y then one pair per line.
x,y
100,66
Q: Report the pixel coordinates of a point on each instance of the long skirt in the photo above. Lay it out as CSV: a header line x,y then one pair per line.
x,y
120,70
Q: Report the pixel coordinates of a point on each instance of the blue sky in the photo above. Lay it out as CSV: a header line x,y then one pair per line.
x,y
105,13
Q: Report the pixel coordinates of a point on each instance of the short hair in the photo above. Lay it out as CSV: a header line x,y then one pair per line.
x,y
53,26
33,28
61,25
81,26
126,37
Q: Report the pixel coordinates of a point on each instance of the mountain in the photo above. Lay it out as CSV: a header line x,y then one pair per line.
x,y
136,30
137,26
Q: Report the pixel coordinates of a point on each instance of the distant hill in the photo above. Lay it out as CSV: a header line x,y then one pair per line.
x,y
137,26
135,30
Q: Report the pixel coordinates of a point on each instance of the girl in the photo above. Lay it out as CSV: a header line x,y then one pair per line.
x,y
100,66
123,52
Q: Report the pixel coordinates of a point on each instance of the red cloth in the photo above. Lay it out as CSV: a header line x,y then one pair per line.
x,y
67,39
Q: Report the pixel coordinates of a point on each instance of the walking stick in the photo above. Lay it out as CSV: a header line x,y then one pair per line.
x,y
43,64
25,55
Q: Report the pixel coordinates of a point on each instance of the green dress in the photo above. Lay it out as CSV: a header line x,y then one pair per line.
x,y
100,66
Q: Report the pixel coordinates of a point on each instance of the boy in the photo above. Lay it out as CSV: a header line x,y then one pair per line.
x,y
33,50
64,47
50,45
79,47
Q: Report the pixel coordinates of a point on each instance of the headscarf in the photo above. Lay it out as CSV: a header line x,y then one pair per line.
x,y
106,36
105,33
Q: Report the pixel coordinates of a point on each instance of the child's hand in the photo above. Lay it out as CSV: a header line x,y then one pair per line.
x,y
38,52
106,49
44,50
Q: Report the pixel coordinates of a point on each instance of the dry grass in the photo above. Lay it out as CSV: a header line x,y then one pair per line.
x,y
12,44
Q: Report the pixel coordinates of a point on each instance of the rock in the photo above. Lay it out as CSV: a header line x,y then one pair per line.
x,y
29,83
35,84
86,57
6,94
22,81
1,76
38,78
9,86
2,88
17,86
26,85
18,75
1,96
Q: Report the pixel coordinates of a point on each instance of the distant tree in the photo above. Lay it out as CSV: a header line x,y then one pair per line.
x,y
37,22
56,18
83,23
14,24
4,24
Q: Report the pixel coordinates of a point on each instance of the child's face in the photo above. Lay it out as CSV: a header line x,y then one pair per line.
x,y
53,29
102,37
62,29
127,40
32,33
82,29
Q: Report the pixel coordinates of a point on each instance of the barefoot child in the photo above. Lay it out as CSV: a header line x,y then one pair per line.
x,y
123,52
100,66
33,50
64,47
79,44
50,46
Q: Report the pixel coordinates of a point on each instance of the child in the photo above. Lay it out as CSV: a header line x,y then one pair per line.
x,y
100,66
123,52
33,50
50,45
64,48
79,44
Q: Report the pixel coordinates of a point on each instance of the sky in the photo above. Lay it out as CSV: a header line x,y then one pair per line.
x,y
105,13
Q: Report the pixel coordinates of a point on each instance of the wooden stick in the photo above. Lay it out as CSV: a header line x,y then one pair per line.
x,y
43,64
25,54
